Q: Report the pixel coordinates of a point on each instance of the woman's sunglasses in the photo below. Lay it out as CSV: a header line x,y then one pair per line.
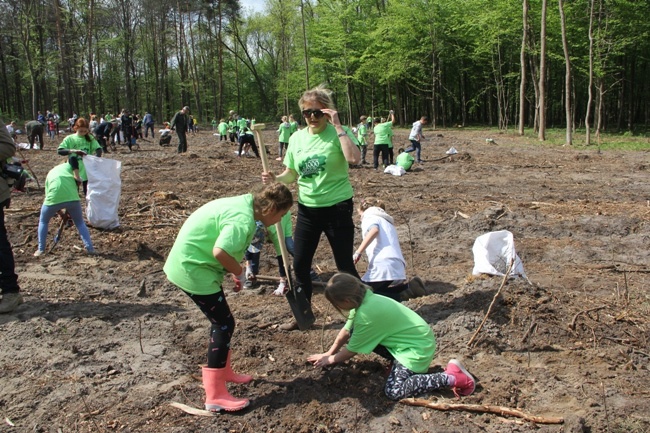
x,y
316,113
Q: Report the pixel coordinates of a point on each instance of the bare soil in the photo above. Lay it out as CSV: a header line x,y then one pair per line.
x,y
104,343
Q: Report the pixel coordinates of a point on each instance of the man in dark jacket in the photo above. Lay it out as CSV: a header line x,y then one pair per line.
x,y
103,133
11,297
34,129
179,123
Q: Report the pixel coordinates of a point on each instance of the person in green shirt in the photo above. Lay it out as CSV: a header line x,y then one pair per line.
x,y
362,136
214,124
210,244
232,130
223,130
78,145
61,193
284,132
293,123
382,325
404,160
318,159
383,131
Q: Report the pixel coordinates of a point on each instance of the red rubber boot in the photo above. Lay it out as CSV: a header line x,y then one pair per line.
x,y
217,397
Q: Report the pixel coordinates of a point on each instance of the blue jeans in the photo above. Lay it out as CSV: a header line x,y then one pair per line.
x,y
415,145
74,209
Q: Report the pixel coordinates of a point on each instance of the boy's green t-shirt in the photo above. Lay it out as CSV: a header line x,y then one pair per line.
x,y
60,186
227,223
223,128
404,160
241,123
77,142
381,320
323,178
383,133
362,133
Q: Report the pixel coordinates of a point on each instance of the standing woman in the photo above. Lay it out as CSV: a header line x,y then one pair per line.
x,y
210,244
318,159
78,145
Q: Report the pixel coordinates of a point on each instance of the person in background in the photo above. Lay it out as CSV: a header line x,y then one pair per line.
x,y
51,128
11,130
362,137
210,244
11,297
393,331
415,136
180,123
383,131
34,130
148,123
284,132
293,123
386,273
103,133
223,130
61,193
78,145
318,159
404,159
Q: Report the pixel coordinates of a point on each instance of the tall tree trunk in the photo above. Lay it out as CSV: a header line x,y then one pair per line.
x,y
591,75
542,75
304,43
567,76
522,61
91,72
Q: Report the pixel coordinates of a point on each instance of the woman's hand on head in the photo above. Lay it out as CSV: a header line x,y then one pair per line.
x,y
332,115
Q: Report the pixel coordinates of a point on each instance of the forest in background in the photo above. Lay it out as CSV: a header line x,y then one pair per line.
x,y
459,62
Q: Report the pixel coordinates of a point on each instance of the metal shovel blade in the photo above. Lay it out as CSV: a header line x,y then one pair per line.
x,y
300,307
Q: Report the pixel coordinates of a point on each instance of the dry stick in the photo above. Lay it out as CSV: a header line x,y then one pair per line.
x,y
482,408
496,295
572,325
408,229
92,417
140,335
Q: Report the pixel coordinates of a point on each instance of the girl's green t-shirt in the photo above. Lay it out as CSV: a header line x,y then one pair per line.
x,y
227,223
383,133
223,128
77,142
285,132
60,186
323,178
381,320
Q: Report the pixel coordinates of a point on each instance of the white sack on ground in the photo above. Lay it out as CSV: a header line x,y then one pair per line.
x,y
104,190
493,253
395,170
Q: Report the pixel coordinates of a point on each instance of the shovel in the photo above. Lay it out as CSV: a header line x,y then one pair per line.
x,y
300,305
65,217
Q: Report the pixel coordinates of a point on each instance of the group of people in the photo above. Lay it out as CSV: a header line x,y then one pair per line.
x,y
213,241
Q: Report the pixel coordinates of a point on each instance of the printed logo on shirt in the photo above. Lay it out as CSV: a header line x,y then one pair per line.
x,y
311,166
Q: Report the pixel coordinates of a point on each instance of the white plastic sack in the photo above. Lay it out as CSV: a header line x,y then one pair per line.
x,y
395,170
493,253
104,190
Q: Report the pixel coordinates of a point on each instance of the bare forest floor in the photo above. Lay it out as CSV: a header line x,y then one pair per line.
x,y
105,343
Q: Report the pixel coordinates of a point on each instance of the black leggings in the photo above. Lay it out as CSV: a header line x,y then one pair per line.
x,y
403,383
216,309
336,222
376,150
385,288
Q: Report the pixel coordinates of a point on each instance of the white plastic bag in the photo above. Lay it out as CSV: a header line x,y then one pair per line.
x,y
395,170
493,253
104,190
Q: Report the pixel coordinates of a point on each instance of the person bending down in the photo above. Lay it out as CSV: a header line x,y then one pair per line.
x,y
395,332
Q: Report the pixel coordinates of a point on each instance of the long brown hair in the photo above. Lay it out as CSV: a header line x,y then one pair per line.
x,y
345,288
271,198
82,123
